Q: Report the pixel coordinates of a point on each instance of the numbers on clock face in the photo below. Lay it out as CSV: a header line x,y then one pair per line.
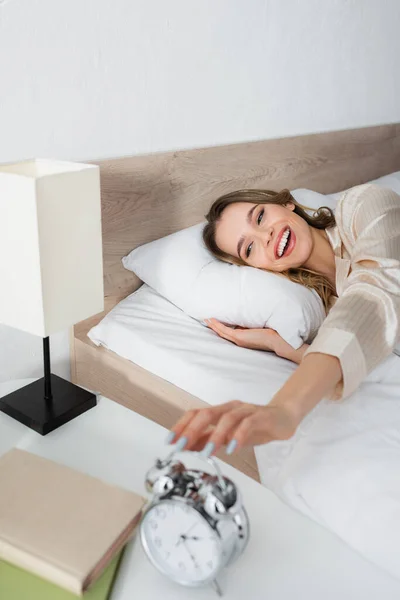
x,y
181,543
160,513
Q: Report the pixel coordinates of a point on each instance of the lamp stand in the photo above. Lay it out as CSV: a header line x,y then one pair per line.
x,y
49,402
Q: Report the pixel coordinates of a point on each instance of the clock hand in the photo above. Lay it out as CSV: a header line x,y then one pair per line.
x,y
184,535
180,539
191,555
191,527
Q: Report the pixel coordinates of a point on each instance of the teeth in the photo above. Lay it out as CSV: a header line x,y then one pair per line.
x,y
283,242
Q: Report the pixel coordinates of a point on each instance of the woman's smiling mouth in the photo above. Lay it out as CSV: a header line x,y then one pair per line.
x,y
285,243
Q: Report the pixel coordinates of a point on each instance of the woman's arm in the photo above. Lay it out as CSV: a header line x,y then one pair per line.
x,y
237,424
363,326
315,378
265,339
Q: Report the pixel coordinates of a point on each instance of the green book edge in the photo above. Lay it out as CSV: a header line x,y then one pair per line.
x,y
17,584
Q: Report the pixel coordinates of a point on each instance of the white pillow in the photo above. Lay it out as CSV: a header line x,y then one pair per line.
x,y
181,269
315,199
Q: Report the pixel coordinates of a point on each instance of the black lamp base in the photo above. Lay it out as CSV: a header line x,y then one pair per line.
x,y
28,405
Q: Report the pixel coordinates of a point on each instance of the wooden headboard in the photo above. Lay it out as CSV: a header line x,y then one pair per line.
x,y
147,197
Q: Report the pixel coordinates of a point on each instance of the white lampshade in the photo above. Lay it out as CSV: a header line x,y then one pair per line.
x,y
51,268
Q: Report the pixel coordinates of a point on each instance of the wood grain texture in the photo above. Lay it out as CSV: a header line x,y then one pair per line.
x,y
147,197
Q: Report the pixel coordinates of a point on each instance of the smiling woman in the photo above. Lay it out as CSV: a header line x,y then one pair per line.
x,y
269,230
353,261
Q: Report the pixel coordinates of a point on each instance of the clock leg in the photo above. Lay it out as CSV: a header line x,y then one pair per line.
x,y
217,588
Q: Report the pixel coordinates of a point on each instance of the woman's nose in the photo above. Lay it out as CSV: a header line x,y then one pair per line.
x,y
267,236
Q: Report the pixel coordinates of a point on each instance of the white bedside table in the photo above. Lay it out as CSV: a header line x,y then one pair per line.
x,y
288,556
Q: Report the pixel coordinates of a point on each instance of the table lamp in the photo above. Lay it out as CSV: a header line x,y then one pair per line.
x,y
51,273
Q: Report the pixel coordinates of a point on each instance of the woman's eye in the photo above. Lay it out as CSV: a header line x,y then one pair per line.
x,y
260,217
248,250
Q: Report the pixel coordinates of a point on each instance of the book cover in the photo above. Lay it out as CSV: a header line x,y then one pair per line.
x,y
61,524
16,584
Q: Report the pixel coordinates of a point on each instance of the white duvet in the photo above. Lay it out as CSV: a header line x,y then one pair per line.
x,y
341,468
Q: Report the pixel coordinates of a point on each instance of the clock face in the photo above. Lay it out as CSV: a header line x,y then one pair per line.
x,y
180,543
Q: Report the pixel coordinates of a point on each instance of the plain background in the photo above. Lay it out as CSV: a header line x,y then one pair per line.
x,y
87,79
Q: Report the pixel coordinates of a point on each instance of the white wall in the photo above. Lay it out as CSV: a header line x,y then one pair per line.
x,y
85,79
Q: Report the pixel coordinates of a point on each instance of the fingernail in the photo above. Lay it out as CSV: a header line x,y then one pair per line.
x,y
208,450
170,437
180,444
231,447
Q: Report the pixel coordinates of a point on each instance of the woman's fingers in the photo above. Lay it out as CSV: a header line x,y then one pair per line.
x,y
238,422
228,424
234,424
222,330
176,431
202,441
219,328
197,423
201,423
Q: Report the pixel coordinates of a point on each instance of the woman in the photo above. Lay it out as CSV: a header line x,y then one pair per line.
x,y
353,262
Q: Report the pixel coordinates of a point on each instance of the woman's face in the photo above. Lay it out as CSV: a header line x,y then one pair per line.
x,y
266,236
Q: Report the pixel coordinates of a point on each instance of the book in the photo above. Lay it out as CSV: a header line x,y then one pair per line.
x,y
61,524
16,584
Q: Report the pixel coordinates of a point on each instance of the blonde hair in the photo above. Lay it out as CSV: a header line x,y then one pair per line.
x,y
321,219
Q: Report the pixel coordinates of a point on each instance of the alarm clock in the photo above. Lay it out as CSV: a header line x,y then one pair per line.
x,y
195,525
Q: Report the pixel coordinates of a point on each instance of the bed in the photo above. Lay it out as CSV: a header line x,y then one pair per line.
x,y
147,197
341,467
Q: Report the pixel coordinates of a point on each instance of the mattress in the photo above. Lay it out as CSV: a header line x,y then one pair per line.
x,y
342,466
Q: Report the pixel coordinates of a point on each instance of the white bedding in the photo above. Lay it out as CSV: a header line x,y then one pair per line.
x,y
153,333
341,468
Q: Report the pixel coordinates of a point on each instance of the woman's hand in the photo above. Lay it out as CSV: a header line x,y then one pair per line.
x,y
258,339
235,424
